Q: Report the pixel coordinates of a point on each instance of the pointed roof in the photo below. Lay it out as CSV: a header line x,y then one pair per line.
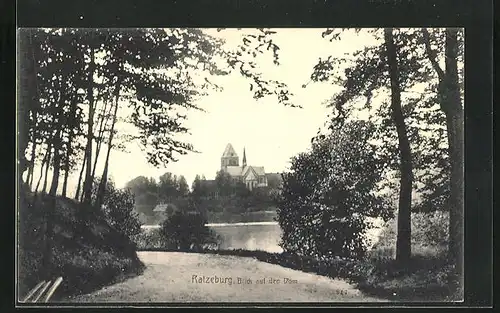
x,y
229,152
244,157
234,170
258,170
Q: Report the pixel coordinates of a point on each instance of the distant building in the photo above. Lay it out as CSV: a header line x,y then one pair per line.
x,y
164,210
251,176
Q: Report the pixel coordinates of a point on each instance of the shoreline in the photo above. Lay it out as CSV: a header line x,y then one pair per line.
x,y
220,224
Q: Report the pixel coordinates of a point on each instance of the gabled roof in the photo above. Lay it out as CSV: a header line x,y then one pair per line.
x,y
258,170
234,170
229,151
248,171
245,170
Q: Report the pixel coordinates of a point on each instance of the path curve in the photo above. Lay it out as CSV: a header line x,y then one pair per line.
x,y
187,277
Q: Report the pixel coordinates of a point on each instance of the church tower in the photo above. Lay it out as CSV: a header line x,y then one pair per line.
x,y
244,161
229,157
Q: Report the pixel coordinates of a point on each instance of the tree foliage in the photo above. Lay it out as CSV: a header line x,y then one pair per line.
x,y
118,207
185,231
75,77
329,193
439,110
364,81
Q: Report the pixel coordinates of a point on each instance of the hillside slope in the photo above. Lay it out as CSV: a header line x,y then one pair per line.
x,y
86,254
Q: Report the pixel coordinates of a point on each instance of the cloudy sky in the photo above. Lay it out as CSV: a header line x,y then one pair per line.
x,y
270,132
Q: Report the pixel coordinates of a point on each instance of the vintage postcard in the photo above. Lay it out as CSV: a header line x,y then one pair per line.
x,y
240,165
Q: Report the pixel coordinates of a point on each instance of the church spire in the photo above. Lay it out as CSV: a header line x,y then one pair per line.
x,y
244,158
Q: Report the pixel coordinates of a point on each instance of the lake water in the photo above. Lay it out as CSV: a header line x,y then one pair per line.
x,y
249,236
255,236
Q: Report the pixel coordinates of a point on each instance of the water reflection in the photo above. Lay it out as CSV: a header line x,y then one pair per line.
x,y
263,236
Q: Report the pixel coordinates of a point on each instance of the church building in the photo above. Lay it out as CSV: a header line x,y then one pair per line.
x,y
251,176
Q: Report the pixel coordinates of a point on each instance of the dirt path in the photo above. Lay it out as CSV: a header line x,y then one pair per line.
x,y
190,277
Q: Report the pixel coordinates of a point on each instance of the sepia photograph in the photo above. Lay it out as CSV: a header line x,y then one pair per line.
x,y
240,165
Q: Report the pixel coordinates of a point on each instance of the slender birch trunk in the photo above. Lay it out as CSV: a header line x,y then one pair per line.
x,y
100,136
104,178
87,186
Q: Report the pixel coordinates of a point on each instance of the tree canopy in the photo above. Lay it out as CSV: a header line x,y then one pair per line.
x,y
329,193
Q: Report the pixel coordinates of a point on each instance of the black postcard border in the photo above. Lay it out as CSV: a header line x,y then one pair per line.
x,y
475,16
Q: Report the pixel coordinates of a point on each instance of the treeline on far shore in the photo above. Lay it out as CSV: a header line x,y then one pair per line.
x,y
222,200
217,217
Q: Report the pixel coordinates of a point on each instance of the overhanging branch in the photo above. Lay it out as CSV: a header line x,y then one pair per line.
x,y
432,54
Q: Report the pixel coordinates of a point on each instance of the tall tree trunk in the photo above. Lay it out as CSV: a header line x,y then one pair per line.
x,y
28,96
50,209
69,150
33,103
28,168
55,141
78,188
44,162
65,180
97,153
104,178
403,243
87,186
57,166
452,106
57,153
100,136
31,168
46,176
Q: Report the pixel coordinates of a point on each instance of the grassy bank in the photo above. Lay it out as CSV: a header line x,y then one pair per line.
x,y
87,255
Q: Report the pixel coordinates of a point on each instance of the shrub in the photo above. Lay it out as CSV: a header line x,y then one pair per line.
x,y
425,276
150,239
429,234
328,195
431,229
118,207
185,231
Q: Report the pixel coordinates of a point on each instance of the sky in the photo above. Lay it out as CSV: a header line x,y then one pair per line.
x,y
270,132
